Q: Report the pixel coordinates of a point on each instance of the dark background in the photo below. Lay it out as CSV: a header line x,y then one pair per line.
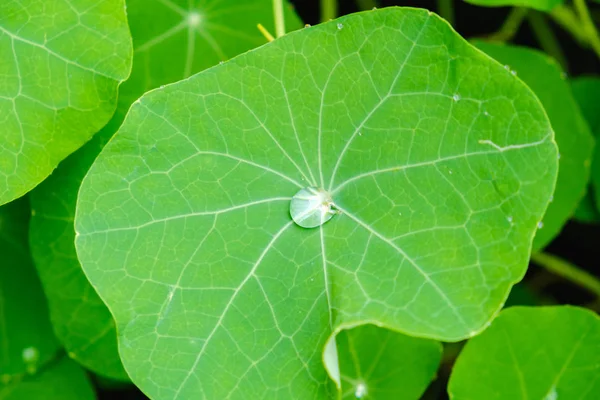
x,y
578,243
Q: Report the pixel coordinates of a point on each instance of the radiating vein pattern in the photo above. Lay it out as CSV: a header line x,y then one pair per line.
x,y
59,75
440,162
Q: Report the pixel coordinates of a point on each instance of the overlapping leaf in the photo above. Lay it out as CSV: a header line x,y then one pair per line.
x,y
26,338
180,41
377,363
62,380
439,160
586,91
532,353
61,62
575,141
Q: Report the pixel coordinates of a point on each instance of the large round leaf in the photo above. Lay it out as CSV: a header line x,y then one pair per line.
x,y
61,62
575,141
26,337
440,163
532,353
167,50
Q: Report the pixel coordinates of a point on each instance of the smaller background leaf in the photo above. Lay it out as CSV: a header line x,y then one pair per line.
x,y
63,380
377,363
575,142
586,91
532,353
26,337
542,5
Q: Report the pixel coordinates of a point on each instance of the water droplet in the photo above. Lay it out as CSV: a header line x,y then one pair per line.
x,y
507,67
340,26
540,225
450,171
361,390
374,8
312,207
307,26
221,62
509,219
487,114
162,86
551,199
30,355
558,156
456,97
513,72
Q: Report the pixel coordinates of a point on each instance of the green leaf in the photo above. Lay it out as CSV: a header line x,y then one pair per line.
x,y
63,380
61,64
183,222
575,142
586,91
542,5
163,53
377,363
532,353
26,338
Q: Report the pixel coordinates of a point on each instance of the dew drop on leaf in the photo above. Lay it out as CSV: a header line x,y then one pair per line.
x,y
340,26
540,225
361,391
312,207
456,97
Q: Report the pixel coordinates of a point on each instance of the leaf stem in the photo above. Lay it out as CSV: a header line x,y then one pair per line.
x,y
366,4
446,10
566,18
511,25
279,20
588,25
265,32
546,37
567,270
329,10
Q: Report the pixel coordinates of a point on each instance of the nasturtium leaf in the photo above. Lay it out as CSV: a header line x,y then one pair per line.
x,y
532,353
60,380
542,5
168,49
26,338
575,141
377,363
440,163
586,91
61,62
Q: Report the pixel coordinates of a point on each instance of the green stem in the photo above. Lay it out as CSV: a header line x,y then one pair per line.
x,y
547,38
567,270
588,25
329,10
279,20
511,25
446,10
366,4
566,18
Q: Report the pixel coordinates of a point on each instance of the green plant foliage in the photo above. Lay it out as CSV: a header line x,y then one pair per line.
x,y
575,141
440,162
61,62
170,48
376,363
61,380
542,5
532,353
26,338
586,91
